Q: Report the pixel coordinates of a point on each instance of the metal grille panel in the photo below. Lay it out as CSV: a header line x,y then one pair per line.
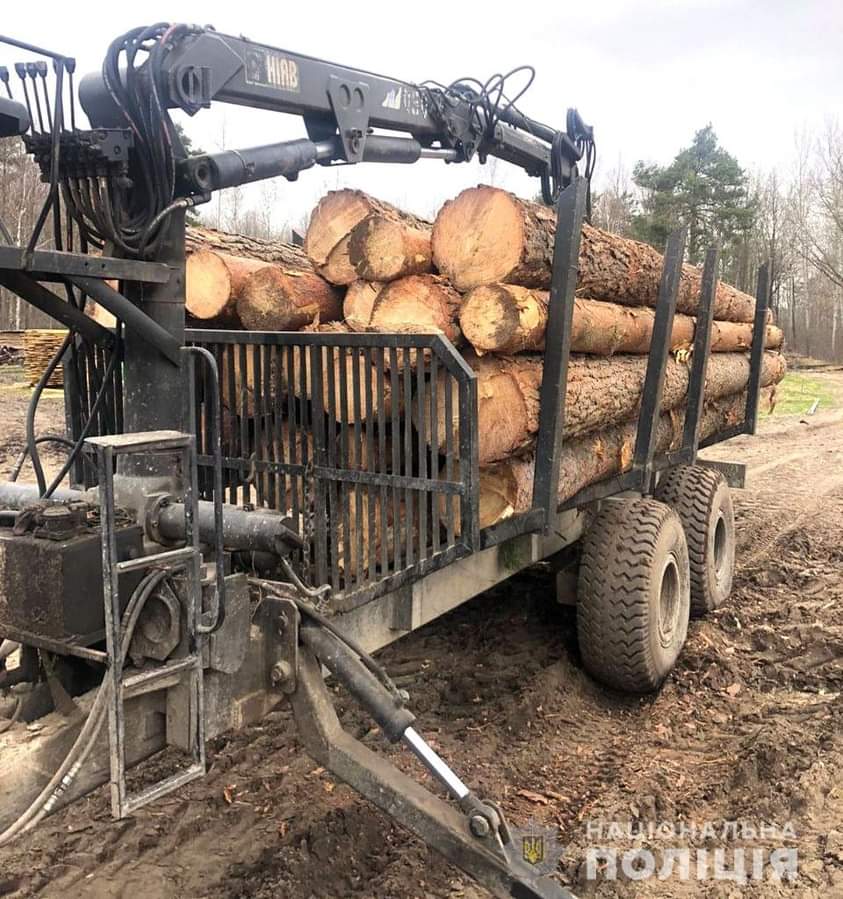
x,y
367,441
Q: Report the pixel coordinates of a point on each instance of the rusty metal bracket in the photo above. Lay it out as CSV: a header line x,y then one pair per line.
x,y
284,674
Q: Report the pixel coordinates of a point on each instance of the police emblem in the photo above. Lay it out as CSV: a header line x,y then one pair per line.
x,y
532,848
538,845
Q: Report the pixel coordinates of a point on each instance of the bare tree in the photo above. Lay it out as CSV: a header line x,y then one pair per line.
x,y
614,207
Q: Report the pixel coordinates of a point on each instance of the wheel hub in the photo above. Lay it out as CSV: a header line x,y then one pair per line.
x,y
669,590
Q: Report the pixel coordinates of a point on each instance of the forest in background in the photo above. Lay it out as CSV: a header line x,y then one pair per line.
x,y
794,219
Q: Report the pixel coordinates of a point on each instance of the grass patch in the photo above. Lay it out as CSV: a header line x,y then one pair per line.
x,y
797,392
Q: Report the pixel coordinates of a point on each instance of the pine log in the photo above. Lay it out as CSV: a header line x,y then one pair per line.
x,y
218,265
385,247
506,488
359,302
282,298
601,392
506,318
214,281
200,238
327,242
417,304
487,235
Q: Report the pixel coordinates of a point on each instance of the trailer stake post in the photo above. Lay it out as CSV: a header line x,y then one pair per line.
x,y
756,357
651,399
560,313
702,347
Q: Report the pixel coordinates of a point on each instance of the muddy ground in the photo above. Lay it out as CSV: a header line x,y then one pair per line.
x,y
749,727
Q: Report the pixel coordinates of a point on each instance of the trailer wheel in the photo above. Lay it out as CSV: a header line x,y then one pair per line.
x,y
633,594
703,502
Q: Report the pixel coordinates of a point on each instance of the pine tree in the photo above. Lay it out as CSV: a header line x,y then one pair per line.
x,y
703,188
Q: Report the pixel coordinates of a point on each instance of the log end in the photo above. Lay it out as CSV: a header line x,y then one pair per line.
x,y
207,285
338,268
359,302
489,319
334,217
382,248
417,304
478,237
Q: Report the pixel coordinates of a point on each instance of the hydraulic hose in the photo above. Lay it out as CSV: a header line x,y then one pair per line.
x,y
33,408
61,781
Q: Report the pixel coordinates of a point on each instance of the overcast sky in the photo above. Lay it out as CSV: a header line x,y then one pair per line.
x,y
645,73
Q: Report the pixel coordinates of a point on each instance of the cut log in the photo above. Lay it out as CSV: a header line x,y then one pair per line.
x,y
506,318
332,221
487,235
601,392
338,268
507,487
359,302
417,304
731,337
286,254
218,266
385,247
281,298
328,239
213,282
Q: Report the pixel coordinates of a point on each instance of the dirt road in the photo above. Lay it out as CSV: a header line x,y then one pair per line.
x,y
749,728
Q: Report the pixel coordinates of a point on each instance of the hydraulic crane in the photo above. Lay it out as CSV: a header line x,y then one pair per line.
x,y
117,196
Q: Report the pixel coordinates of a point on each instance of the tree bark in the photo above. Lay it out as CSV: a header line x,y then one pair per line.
x,y
200,238
506,318
417,304
280,298
328,239
601,392
507,487
486,235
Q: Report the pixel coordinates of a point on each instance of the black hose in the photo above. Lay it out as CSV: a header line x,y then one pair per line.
x,y
47,438
32,409
306,609
101,394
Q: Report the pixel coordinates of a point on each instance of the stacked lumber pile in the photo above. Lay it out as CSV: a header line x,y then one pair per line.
x,y
39,347
479,275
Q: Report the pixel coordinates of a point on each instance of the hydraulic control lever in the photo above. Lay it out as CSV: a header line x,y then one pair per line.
x,y
472,834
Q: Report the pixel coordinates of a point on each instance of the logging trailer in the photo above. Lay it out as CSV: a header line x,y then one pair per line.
x,y
207,560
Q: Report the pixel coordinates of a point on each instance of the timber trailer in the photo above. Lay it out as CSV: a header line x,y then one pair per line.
x,y
188,579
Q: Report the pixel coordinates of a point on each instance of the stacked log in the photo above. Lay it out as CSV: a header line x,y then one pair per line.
x,y
506,488
352,235
260,285
601,392
479,276
488,236
506,318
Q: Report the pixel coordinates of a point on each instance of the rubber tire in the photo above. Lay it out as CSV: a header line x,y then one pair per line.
x,y
625,554
701,498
